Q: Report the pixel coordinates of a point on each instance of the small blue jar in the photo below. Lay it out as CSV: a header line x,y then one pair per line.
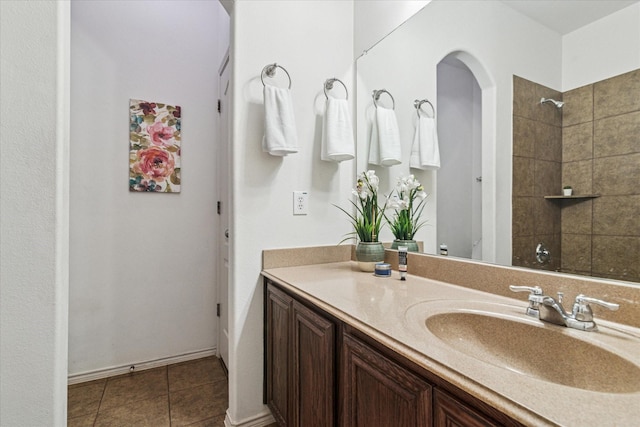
x,y
382,269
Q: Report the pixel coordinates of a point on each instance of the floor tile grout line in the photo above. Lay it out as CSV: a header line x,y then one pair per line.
x,y
132,397
169,397
104,389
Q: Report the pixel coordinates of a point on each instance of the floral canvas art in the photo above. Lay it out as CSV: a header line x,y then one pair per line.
x,y
154,147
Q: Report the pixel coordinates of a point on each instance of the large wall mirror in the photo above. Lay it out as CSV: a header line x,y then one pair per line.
x,y
505,155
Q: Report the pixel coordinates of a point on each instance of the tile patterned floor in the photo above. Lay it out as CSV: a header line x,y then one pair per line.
x,y
192,393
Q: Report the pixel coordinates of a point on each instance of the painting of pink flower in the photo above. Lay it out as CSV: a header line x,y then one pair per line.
x,y
154,147
160,134
154,163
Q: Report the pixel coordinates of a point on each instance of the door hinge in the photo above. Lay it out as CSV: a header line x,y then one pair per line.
x,y
218,309
219,208
219,106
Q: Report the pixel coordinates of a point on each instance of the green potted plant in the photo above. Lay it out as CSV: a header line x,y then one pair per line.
x,y
366,221
408,201
567,190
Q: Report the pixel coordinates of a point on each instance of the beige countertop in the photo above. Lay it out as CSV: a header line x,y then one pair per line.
x,y
393,312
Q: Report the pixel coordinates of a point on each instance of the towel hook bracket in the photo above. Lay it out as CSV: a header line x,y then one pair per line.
x,y
328,85
270,71
376,97
418,105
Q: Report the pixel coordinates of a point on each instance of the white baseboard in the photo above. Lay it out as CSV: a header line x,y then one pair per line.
x,y
260,420
138,366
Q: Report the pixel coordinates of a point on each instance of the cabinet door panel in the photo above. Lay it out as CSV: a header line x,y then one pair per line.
x,y
277,337
377,391
313,368
449,412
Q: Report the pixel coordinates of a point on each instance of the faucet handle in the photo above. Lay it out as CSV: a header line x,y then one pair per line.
x,y
583,299
535,298
535,292
582,311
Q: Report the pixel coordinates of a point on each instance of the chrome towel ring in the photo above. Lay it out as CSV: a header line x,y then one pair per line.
x,y
418,104
328,85
270,71
376,97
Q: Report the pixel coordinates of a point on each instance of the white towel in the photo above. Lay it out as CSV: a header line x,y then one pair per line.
x,y
280,137
425,153
337,132
384,147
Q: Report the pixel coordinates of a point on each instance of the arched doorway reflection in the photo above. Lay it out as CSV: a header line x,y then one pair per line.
x,y
459,185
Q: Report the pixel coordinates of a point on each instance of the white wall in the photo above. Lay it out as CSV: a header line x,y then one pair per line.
x,y
502,43
142,264
603,49
313,41
34,190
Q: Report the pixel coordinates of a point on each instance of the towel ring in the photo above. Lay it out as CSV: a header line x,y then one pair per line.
x,y
418,104
328,85
376,97
270,71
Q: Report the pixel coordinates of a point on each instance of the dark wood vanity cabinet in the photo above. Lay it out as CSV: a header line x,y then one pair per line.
x,y
376,391
300,362
277,353
449,412
313,379
321,372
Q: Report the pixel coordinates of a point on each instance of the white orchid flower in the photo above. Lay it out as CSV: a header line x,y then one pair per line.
x,y
367,220
407,199
372,179
392,202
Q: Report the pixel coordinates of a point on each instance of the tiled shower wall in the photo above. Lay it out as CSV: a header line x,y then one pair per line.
x,y
600,154
537,172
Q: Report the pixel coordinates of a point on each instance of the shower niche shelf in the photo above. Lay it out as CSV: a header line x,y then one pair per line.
x,y
573,197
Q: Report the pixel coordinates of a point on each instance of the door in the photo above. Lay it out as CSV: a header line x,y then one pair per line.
x,y
223,212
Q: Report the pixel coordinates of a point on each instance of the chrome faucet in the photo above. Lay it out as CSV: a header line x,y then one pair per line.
x,y
535,298
550,310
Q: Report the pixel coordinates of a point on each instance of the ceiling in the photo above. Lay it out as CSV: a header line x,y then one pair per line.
x,y
565,16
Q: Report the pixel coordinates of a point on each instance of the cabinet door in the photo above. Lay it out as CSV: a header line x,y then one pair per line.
x,y
313,386
449,412
376,391
277,351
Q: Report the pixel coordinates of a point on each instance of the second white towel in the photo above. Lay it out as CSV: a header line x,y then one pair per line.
x,y
384,146
337,132
425,153
280,136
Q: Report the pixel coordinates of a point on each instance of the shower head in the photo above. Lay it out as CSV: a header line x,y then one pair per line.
x,y
558,104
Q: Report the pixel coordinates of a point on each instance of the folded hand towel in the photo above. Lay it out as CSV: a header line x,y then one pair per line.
x,y
337,132
280,137
384,147
425,153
